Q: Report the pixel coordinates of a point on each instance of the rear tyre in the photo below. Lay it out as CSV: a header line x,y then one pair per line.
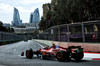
x,y
29,54
59,56
62,56
77,56
44,57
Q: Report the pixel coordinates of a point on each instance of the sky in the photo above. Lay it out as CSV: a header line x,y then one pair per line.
x,y
25,7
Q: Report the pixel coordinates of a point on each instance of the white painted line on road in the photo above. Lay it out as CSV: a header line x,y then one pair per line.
x,y
14,49
25,56
35,55
90,56
87,58
40,45
21,56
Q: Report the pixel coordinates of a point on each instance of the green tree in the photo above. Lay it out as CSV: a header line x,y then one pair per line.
x,y
42,24
94,9
61,12
12,30
1,23
67,11
2,28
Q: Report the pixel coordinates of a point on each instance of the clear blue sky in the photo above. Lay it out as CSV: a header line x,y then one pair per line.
x,y
25,7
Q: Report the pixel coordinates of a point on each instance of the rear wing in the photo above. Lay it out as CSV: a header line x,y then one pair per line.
x,y
74,47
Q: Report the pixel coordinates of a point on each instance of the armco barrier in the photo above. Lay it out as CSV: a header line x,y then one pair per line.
x,y
5,36
88,47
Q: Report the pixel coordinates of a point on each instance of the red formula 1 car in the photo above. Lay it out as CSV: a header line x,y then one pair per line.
x,y
60,53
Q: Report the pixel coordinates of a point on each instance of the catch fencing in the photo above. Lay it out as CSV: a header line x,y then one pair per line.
x,y
88,31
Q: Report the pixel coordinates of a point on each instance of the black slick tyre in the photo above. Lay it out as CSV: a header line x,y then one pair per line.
x,y
61,56
29,54
44,57
77,56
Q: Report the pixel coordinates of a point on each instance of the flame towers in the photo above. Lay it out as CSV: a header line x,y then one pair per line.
x,y
16,18
35,16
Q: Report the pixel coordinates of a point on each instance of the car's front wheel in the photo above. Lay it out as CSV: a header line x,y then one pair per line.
x,y
29,53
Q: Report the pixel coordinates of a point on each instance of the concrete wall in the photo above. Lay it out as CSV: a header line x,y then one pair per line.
x,y
91,47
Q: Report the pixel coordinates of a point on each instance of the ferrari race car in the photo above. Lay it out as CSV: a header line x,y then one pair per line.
x,y
60,53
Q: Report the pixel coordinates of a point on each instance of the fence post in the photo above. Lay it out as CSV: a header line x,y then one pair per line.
x,y
68,32
53,34
58,33
83,32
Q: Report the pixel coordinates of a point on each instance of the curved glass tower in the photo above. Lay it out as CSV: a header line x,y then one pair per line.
x,y
35,16
16,18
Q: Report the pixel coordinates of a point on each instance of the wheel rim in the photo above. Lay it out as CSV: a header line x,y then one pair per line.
x,y
59,56
27,53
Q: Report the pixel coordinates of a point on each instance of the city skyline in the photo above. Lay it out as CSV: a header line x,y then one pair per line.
x,y
25,7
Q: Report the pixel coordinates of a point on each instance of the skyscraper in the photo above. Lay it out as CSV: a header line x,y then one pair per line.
x,y
35,16
31,18
16,18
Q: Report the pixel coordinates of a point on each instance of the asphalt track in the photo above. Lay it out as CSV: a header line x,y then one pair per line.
x,y
10,56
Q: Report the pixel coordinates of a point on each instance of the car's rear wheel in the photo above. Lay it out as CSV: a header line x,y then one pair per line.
x,y
44,57
62,56
29,53
59,56
77,56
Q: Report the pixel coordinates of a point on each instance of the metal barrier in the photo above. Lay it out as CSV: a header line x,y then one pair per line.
x,y
77,32
4,36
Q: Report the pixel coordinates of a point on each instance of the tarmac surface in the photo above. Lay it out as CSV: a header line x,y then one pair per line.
x,y
10,55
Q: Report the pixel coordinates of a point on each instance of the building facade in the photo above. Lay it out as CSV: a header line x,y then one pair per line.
x,y
45,9
53,3
24,30
49,7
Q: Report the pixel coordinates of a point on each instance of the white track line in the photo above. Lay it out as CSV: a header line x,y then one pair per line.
x,y
21,56
40,45
90,56
14,49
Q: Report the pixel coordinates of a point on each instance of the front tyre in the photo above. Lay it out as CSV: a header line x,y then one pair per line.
x,y
29,54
